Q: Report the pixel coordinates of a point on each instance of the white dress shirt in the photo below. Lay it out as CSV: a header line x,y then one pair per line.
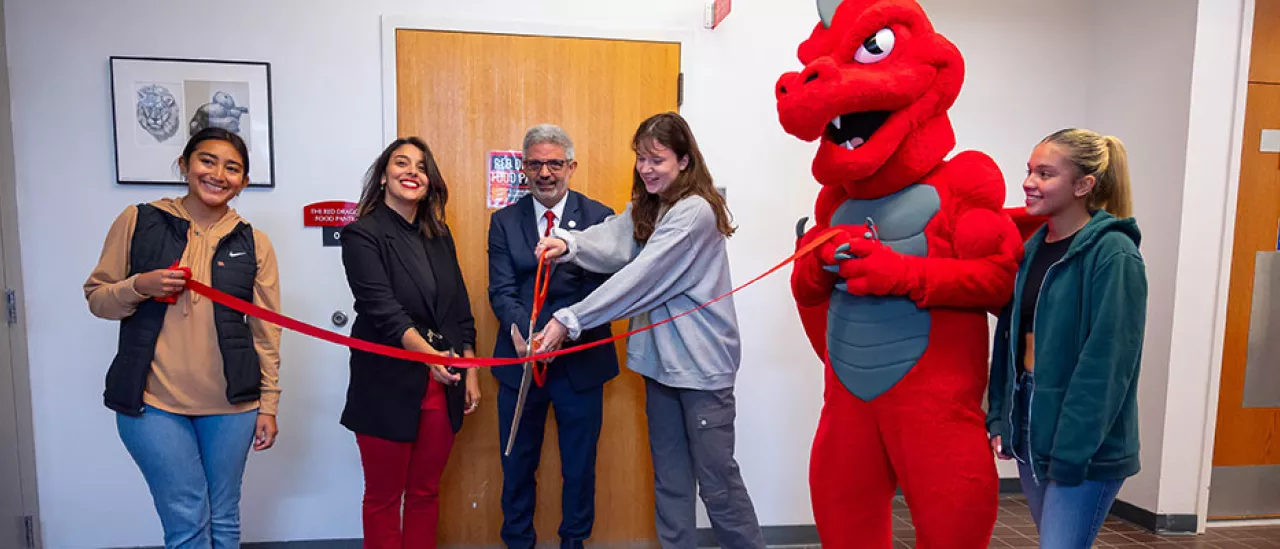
x,y
540,212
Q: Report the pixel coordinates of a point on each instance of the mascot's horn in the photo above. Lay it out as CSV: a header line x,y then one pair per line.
x,y
827,10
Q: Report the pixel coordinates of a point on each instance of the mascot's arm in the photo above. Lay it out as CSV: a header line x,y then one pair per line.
x,y
811,286
985,240
981,275
1027,223
986,244
811,283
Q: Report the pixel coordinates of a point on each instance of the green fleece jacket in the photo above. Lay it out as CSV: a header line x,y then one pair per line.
x,y
1088,326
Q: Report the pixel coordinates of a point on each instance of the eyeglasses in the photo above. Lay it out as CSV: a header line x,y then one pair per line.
x,y
535,166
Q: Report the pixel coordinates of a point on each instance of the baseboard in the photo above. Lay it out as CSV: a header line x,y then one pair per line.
x,y
313,544
807,534
774,536
1010,486
357,544
1160,524
309,544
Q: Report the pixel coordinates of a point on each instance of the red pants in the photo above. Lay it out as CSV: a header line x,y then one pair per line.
x,y
408,471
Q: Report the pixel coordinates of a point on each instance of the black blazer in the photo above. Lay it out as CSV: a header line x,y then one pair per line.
x,y
513,234
400,283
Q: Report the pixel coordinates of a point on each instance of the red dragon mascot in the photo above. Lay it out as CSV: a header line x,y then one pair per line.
x,y
896,304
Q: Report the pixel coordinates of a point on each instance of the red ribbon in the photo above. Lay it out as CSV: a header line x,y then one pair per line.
x,y
461,362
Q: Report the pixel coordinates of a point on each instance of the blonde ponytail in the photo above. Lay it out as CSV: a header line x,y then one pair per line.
x,y
1112,193
1104,158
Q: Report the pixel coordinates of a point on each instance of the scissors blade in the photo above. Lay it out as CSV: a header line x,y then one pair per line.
x,y
525,380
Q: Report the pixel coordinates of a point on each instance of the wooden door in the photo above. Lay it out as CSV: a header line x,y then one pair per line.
x,y
468,94
1246,458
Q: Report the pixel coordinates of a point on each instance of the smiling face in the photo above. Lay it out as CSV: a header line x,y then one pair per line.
x,y
215,172
1054,184
548,168
873,81
406,176
658,166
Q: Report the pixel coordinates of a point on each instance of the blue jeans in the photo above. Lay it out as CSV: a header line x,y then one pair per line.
x,y
1067,517
193,466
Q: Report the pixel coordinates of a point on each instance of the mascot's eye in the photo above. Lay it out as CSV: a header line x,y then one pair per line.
x,y
876,48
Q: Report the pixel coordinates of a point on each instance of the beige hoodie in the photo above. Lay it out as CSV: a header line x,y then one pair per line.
x,y
186,375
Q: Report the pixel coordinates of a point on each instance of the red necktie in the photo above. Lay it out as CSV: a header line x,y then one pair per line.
x,y
551,222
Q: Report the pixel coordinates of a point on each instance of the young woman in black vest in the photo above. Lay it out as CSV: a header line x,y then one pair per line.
x,y
403,270
193,384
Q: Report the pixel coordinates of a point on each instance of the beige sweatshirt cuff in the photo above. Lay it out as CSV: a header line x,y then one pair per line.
x,y
132,296
269,402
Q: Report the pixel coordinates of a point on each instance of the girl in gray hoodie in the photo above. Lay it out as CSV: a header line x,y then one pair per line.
x,y
666,254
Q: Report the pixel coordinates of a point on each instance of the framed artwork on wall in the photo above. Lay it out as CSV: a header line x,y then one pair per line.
x,y
158,103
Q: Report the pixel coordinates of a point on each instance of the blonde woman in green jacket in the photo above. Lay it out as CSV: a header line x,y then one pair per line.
x,y
1064,371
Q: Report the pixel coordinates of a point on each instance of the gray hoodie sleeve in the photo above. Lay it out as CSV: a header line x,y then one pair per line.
x,y
666,266
601,248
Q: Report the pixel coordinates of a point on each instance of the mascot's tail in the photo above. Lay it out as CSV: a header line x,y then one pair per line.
x,y
800,226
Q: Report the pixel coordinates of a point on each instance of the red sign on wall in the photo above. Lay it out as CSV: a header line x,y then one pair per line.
x,y
719,10
334,213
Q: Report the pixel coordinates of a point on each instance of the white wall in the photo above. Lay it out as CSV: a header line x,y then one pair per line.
x,y
1140,91
325,63
1223,35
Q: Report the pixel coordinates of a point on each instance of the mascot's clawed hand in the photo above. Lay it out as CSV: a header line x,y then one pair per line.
x,y
896,304
870,268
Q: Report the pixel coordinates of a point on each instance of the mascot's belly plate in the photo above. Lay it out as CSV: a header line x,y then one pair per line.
x,y
874,341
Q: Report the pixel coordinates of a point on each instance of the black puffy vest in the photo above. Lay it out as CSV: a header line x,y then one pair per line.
x,y
159,238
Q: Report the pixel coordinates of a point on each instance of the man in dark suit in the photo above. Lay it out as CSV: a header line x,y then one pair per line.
x,y
575,382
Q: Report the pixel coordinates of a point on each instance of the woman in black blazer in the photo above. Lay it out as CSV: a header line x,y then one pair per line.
x,y
403,270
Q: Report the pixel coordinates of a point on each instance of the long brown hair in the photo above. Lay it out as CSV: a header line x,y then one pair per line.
x,y
1103,157
670,130
430,210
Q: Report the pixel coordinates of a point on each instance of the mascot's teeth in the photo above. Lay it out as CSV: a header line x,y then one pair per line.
x,y
836,122
853,143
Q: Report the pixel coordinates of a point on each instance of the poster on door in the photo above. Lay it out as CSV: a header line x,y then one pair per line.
x,y
507,182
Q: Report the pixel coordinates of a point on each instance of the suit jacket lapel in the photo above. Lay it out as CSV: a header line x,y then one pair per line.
x,y
529,222
572,211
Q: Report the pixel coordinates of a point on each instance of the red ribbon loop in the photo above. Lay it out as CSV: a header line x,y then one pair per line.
x,y
283,321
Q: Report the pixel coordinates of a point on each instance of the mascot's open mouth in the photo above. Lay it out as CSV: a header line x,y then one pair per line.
x,y
854,130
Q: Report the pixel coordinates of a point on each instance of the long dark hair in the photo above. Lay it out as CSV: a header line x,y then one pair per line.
x,y
430,209
670,130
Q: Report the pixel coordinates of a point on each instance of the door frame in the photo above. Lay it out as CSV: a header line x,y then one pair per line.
x,y
1227,248
393,23
12,279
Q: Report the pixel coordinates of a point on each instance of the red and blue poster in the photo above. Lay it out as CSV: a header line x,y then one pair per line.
x,y
507,182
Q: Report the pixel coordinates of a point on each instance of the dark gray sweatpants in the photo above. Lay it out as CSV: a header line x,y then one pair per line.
x,y
691,437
